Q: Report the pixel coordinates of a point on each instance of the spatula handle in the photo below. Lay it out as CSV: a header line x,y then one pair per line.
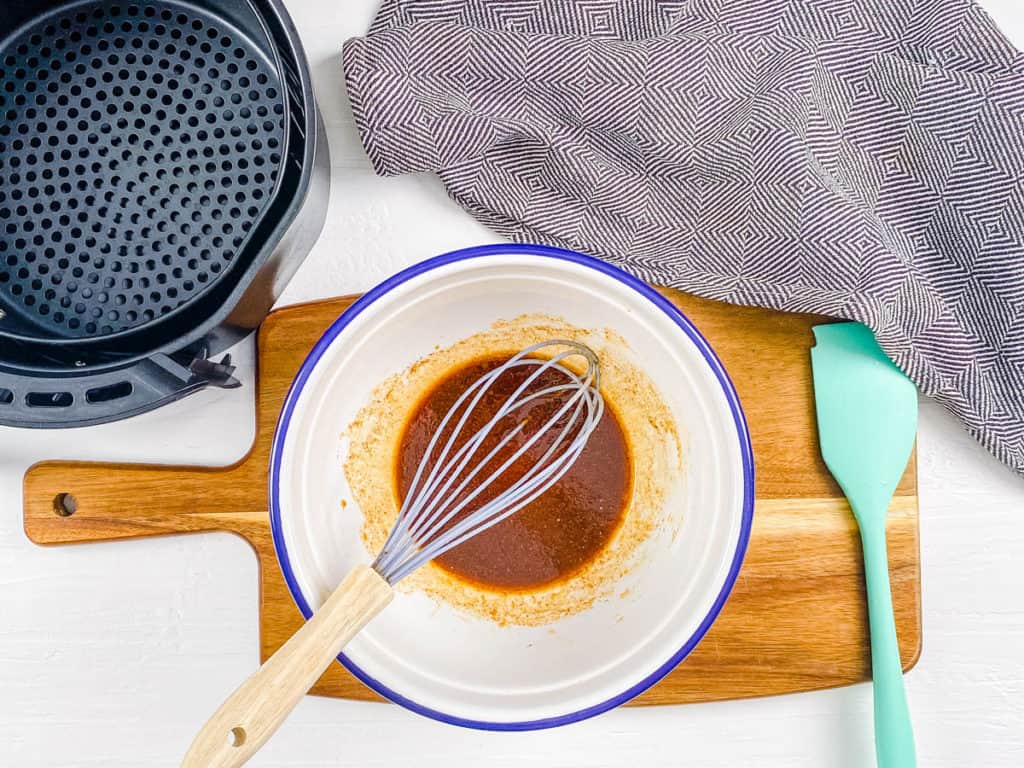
x,y
257,708
894,735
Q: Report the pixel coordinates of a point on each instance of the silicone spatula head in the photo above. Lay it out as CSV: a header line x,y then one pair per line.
x,y
867,414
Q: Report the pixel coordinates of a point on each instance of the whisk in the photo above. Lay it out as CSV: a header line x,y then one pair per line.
x,y
464,484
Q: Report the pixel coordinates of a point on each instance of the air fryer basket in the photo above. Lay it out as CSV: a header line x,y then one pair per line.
x,y
163,171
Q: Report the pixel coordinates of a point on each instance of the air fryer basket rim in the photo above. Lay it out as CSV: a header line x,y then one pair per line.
x,y
235,270
118,350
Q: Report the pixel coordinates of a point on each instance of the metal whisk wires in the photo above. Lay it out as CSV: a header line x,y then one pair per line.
x,y
426,526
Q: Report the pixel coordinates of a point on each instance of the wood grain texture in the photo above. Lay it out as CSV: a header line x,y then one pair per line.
x,y
796,619
258,707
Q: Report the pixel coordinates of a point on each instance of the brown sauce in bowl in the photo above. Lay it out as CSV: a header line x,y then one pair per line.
x,y
561,531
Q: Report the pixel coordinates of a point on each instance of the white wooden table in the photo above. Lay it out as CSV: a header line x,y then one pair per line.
x,y
112,655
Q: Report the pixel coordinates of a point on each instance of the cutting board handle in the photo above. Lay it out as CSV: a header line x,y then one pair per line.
x,y
71,502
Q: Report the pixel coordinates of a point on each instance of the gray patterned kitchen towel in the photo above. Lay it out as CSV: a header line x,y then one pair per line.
x,y
859,158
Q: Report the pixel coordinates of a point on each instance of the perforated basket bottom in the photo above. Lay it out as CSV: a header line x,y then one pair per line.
x,y
138,146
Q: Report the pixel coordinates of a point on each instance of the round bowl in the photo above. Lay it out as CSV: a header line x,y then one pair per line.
x,y
469,671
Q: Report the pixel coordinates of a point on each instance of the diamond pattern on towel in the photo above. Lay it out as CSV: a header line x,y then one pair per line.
x,y
857,158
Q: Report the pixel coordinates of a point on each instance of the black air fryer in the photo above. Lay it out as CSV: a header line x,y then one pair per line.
x,y
163,172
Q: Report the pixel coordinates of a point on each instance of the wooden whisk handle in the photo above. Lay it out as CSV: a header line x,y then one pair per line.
x,y
252,714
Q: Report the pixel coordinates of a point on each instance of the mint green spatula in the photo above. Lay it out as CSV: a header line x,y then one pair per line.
x,y
867,420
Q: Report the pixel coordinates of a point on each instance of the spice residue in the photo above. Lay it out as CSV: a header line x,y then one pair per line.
x,y
530,596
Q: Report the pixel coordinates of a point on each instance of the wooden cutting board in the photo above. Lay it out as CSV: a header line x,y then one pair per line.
x,y
796,619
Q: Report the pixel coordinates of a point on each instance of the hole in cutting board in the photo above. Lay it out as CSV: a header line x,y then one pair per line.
x,y
237,737
65,505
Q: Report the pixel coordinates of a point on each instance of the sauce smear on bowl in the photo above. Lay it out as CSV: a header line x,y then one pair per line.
x,y
562,530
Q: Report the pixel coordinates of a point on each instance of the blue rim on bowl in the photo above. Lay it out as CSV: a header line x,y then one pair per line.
x,y
742,434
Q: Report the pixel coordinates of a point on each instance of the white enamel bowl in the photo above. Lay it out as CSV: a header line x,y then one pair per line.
x,y
468,671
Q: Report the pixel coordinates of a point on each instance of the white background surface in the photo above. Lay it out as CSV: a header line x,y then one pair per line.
x,y
113,655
